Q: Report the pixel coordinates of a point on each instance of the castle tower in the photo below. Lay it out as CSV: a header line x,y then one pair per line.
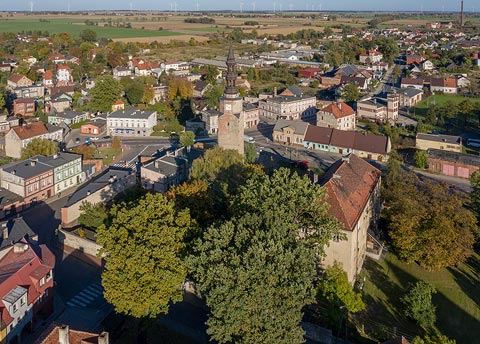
x,y
231,123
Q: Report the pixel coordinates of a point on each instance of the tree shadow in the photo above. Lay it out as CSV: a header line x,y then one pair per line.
x,y
468,281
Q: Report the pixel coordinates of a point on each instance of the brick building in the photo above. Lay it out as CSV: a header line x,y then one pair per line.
x,y
452,163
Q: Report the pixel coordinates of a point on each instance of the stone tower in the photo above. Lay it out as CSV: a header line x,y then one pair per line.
x,y
231,123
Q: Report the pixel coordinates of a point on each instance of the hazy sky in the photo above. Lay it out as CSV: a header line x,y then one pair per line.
x,y
185,5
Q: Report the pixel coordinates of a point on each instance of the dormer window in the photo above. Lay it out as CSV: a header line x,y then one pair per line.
x,y
42,281
49,275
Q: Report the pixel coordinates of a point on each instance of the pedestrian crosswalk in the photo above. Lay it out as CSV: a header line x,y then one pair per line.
x,y
120,164
86,296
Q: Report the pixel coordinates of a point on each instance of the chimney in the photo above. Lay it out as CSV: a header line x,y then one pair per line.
x,y
4,230
462,16
33,162
63,337
103,338
55,156
20,247
346,158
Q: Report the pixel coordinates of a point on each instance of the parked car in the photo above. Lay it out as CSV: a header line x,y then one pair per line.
x,y
87,140
94,138
77,140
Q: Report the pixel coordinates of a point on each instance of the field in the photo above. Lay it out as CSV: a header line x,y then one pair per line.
x,y
457,300
74,27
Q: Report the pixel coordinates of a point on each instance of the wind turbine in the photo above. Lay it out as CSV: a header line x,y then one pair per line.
x,y
274,7
131,7
290,7
198,7
31,6
281,7
241,6
253,6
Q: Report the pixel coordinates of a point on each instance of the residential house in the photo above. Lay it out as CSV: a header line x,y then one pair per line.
x,y
164,172
210,118
15,230
409,97
5,68
122,72
427,65
412,83
26,288
19,137
437,141
443,85
251,113
48,80
463,82
160,93
361,82
63,334
309,73
64,75
68,117
102,188
60,103
288,107
410,59
200,88
24,107
353,189
369,146
57,58
131,122
379,108
337,115
118,105
67,170
29,179
18,80
33,91
371,56
10,203
290,132
96,126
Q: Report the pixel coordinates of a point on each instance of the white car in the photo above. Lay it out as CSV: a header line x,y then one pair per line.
x,y
94,138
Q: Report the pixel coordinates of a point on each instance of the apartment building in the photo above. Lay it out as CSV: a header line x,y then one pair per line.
x,y
131,122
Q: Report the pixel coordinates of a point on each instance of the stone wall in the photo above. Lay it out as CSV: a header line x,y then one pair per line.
x,y
74,241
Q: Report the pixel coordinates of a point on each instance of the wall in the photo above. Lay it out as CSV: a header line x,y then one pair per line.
x,y
13,145
72,212
74,241
460,170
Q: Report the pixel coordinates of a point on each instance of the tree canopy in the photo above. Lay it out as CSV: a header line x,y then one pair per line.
x,y
40,146
144,268
428,222
351,93
256,273
418,304
105,92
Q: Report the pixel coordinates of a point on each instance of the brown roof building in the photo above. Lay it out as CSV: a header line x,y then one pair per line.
x,y
339,116
56,334
353,188
18,80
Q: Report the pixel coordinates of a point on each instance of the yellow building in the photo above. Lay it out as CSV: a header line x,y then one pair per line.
x,y
442,142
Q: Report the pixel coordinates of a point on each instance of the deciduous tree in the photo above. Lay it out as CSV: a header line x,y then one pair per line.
x,y
93,215
351,93
187,139
418,304
40,146
105,92
421,159
144,268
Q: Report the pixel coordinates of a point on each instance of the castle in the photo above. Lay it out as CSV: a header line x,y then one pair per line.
x,y
231,122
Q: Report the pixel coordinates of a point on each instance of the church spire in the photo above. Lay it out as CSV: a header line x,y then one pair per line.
x,y
231,88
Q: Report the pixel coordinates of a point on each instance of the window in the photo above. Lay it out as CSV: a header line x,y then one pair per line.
x,y
49,275
22,301
14,307
336,237
42,281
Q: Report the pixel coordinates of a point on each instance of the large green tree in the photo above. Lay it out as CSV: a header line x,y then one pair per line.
x,y
144,268
135,92
93,215
428,222
257,269
475,193
351,93
40,146
105,92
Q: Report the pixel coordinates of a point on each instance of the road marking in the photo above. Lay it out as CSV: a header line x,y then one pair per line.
x,y
76,303
83,297
91,293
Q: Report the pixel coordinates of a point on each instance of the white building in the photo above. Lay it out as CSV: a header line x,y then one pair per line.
x,y
131,122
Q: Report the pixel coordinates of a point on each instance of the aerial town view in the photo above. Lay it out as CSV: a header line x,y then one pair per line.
x,y
246,172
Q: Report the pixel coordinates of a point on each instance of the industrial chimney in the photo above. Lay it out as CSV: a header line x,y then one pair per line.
x,y
462,16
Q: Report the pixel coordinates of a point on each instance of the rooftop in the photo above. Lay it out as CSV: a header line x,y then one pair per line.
x,y
440,138
299,127
467,159
339,110
14,295
131,113
28,168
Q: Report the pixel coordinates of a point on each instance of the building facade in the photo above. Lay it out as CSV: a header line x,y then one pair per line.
x,y
131,122
288,107
338,116
19,137
161,174
290,132
440,142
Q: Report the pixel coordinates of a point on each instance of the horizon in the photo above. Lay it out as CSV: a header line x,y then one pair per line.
x,y
250,6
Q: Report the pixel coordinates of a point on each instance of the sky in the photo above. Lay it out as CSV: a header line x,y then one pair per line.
x,y
259,5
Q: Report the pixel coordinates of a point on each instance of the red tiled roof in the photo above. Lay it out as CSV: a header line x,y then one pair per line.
x,y
30,130
349,184
339,110
16,78
412,81
48,75
51,336
64,66
24,101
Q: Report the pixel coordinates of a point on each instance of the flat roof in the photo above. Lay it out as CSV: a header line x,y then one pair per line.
x,y
467,159
131,113
440,138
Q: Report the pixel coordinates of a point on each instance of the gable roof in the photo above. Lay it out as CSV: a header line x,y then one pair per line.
x,y
17,77
299,127
30,130
371,143
343,139
339,110
350,182
319,135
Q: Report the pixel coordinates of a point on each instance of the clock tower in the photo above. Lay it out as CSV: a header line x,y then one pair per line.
x,y
231,123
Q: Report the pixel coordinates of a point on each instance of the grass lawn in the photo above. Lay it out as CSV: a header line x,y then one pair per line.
x,y
457,300
74,27
108,154
439,99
